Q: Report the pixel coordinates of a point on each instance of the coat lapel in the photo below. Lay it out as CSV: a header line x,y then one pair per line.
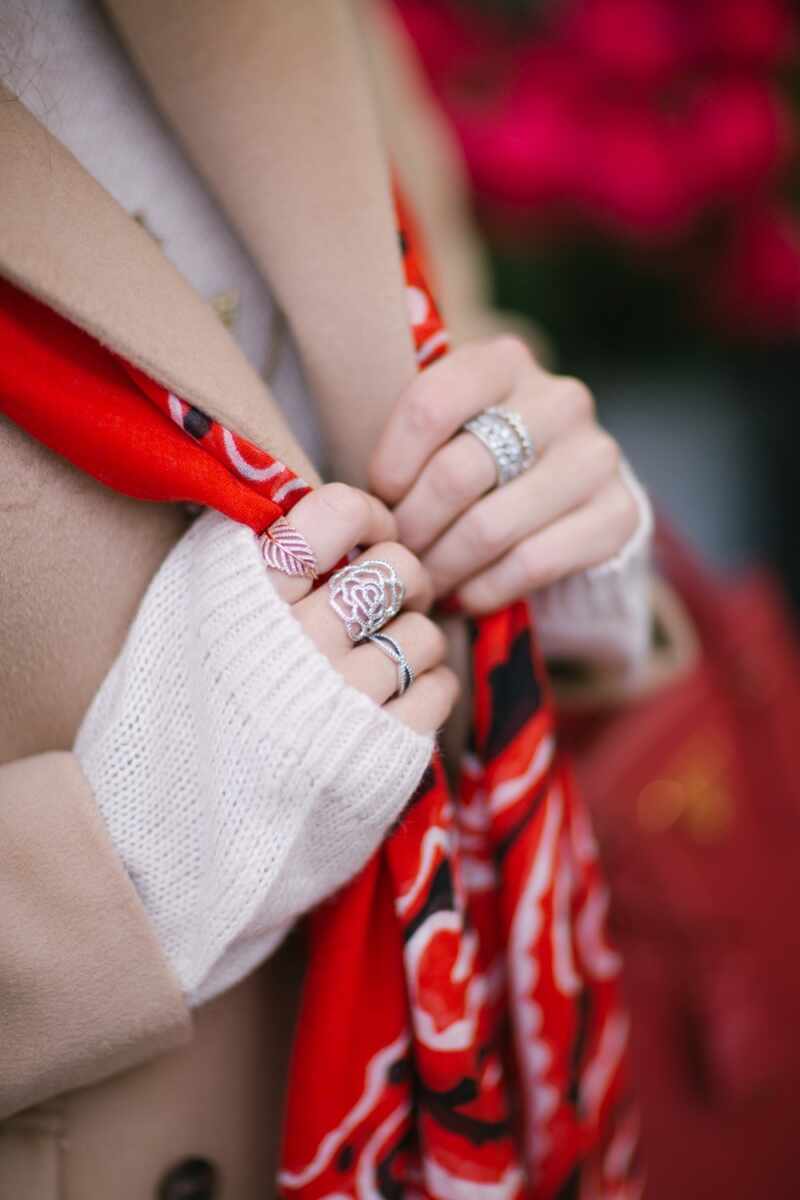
x,y
65,240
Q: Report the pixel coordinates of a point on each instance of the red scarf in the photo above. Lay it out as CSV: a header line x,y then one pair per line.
x,y
461,1033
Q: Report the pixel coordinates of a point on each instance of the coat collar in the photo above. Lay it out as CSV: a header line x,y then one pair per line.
x,y
65,240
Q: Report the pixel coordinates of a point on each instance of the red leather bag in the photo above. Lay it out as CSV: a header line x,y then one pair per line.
x,y
695,794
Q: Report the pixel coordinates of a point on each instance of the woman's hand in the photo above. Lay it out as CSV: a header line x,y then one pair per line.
x,y
571,510
333,520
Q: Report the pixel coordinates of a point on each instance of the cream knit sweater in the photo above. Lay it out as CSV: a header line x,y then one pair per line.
x,y
241,779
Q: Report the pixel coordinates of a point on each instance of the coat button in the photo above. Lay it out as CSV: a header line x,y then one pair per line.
x,y
192,1179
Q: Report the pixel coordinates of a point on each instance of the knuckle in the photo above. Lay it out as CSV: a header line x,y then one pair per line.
x,y
442,688
449,478
477,596
485,532
607,452
540,565
407,562
529,559
438,642
577,398
426,413
609,543
347,504
627,511
415,628
404,561
426,637
384,477
450,687
512,349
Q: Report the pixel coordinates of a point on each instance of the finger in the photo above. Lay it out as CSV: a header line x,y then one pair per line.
x,y
428,702
464,469
434,406
327,629
333,519
458,475
370,669
568,474
590,535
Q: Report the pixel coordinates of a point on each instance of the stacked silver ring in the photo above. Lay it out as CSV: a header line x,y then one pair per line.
x,y
505,435
392,649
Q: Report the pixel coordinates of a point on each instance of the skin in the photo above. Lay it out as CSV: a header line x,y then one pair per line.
x,y
272,103
571,510
246,92
333,520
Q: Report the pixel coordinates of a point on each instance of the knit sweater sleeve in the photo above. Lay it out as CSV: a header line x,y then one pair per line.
x,y
602,616
241,779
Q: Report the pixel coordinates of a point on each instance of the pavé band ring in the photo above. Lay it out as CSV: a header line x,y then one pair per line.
x,y
393,650
366,595
505,435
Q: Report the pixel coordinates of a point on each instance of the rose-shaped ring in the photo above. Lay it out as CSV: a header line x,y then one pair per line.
x,y
366,595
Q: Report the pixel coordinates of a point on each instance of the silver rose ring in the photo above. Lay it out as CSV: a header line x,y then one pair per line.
x,y
366,595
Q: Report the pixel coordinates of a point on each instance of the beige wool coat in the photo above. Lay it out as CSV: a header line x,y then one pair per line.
x,y
109,1086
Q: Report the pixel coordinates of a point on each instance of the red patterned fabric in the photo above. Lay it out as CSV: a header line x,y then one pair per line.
x,y
461,1033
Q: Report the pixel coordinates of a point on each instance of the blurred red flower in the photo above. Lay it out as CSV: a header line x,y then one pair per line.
x,y
741,136
750,33
445,40
757,288
635,183
639,120
529,157
637,41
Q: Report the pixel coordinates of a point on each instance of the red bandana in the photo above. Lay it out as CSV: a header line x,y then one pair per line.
x,y
461,1034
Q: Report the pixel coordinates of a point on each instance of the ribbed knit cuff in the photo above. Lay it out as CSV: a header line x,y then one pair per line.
x,y
335,769
338,740
241,779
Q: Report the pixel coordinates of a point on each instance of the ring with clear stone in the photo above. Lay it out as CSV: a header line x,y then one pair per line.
x,y
392,649
366,595
507,438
